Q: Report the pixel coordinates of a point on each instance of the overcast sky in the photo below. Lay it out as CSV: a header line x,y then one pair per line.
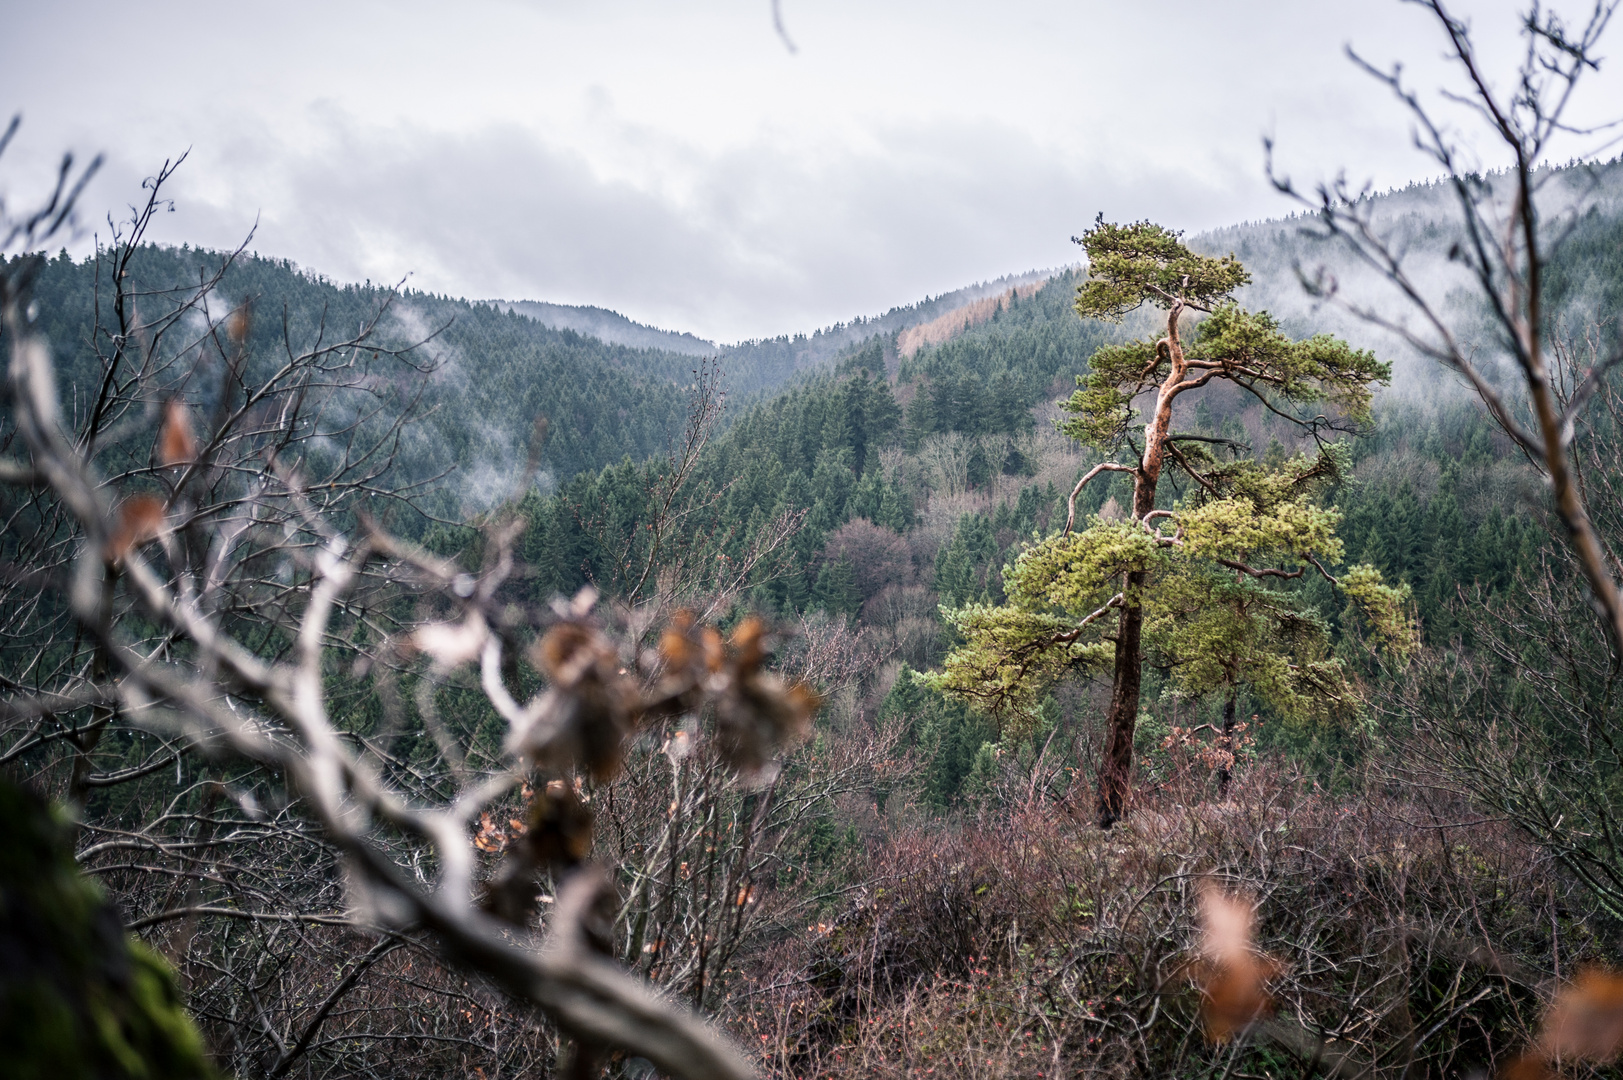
x,y
677,163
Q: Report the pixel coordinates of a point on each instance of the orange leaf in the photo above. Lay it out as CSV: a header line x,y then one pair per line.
x,y
140,519
749,639
1526,1067
1233,974
489,838
176,446
236,324
1586,1021
714,654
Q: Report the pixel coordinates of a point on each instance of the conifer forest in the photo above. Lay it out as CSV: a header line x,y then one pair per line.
x,y
1204,659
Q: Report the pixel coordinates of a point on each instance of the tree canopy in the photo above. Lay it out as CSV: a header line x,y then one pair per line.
x,y
1211,571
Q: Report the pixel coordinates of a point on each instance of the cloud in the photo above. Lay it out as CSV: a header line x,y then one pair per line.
x,y
674,163
756,240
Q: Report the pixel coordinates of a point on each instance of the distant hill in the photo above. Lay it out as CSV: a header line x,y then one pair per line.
x,y
1423,220
958,320
1589,277
761,366
608,326
974,360
493,372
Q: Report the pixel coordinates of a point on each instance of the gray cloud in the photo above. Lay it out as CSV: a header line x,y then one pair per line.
x,y
767,239
675,164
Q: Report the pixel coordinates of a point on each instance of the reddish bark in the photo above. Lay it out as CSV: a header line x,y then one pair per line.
x,y
1116,765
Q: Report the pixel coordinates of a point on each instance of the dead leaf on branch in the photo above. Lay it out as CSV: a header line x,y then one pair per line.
x,y
1231,973
591,709
555,836
759,714
489,836
594,705
176,444
238,323
140,519
688,654
1586,1021
1584,1024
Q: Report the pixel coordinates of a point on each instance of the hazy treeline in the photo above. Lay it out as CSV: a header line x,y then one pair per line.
x,y
489,373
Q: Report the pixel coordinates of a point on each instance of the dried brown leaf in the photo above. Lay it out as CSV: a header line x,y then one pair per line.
x,y
1585,1022
680,647
489,835
140,519
1232,974
760,716
237,324
1526,1067
556,836
176,445
592,708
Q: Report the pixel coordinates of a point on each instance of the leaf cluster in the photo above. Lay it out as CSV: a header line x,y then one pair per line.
x,y
1141,262
1077,573
1011,654
1216,631
1250,349
1217,617
1250,511
1246,348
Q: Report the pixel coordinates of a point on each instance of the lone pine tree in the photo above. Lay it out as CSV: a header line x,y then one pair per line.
x,y
1212,570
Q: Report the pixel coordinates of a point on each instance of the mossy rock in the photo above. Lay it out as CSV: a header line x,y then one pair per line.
x,y
79,999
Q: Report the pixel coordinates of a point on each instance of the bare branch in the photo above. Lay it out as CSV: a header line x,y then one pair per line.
x,y
1070,503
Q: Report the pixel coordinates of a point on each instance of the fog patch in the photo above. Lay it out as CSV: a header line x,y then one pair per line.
x,y
1422,223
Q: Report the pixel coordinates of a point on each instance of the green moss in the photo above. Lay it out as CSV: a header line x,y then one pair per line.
x,y
78,997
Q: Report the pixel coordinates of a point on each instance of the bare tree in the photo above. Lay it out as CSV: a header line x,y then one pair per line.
x,y
1507,239
209,597
1524,721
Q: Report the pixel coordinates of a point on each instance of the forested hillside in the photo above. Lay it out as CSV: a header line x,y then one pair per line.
x,y
488,374
608,326
495,366
1585,205
816,649
917,489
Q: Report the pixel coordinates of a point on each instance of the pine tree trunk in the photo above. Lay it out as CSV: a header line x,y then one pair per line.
x,y
1223,771
1115,770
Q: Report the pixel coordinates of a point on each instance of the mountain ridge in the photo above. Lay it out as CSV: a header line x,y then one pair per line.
x,y
609,327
